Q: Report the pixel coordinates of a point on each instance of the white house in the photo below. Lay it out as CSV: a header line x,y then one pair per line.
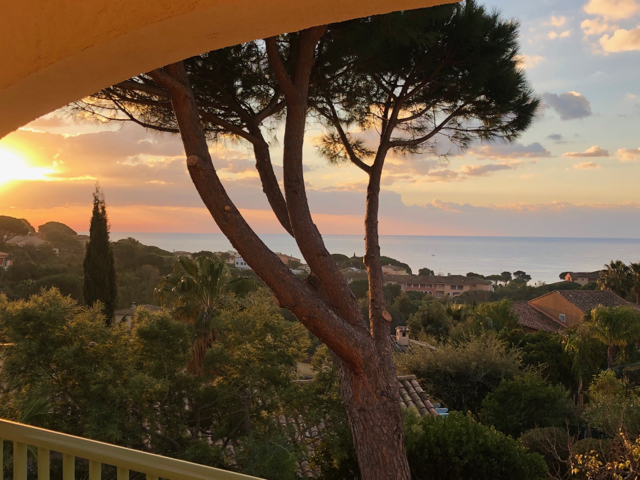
x,y
241,264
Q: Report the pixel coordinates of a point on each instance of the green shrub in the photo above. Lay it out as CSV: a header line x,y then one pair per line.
x,y
459,448
526,402
461,374
613,405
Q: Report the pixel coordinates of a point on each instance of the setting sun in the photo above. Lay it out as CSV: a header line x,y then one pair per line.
x,y
13,167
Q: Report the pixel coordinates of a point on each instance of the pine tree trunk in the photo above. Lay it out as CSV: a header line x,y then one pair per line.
x,y
375,418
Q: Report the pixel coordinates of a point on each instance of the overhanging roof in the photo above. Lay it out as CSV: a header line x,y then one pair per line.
x,y
55,52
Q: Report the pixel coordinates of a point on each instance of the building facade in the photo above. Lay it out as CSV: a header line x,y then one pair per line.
x,y
439,286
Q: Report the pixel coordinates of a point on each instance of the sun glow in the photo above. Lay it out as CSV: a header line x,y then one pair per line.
x,y
13,167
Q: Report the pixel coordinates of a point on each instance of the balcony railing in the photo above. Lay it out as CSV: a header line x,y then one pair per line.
x,y
97,453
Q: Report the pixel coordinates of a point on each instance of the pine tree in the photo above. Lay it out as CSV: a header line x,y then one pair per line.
x,y
99,266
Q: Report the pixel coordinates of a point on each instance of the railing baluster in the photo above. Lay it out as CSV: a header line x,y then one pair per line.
x,y
44,471
68,467
95,470
19,461
123,473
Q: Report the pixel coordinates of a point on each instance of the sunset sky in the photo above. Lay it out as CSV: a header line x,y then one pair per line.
x,y
574,173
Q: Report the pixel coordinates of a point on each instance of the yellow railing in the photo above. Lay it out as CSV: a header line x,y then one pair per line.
x,y
97,453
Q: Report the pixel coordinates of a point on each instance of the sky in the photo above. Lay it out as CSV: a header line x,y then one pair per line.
x,y
573,173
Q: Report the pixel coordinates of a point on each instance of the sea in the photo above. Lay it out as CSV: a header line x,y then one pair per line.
x,y
543,258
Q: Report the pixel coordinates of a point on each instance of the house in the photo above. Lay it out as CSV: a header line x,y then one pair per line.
x,y
437,285
583,277
394,270
22,240
239,262
4,261
556,310
284,258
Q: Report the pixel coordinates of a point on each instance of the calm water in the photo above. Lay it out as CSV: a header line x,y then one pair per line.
x,y
542,258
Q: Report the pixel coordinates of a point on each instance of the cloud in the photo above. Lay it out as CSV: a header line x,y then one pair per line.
x,y
529,61
482,170
569,106
586,166
594,151
445,175
557,138
621,41
554,35
557,21
628,154
513,150
595,27
615,9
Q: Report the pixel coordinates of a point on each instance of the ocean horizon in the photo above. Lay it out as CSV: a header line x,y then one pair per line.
x,y
541,257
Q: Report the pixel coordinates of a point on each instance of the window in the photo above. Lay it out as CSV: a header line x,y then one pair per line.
x,y
563,317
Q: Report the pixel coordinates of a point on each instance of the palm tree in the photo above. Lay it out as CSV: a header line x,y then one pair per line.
x,y
615,327
584,351
197,289
617,277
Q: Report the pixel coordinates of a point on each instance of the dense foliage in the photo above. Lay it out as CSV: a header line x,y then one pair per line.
x,y
112,384
527,402
459,448
462,374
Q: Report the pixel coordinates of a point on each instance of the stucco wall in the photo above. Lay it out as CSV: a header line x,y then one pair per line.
x,y
56,52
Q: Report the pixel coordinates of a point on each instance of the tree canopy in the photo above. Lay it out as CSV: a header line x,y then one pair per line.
x,y
11,227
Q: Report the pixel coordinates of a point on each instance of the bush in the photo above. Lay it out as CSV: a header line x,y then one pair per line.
x,y
461,374
69,284
613,405
526,402
432,318
459,448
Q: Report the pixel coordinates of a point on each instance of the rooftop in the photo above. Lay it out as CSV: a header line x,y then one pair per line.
x,y
531,317
587,300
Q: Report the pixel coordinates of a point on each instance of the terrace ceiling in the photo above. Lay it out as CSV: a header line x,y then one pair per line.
x,y
55,52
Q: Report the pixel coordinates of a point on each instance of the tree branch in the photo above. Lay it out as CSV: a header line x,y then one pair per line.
x,y
337,124
347,342
417,141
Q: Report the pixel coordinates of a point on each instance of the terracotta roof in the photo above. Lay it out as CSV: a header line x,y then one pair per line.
x,y
531,317
412,396
587,300
436,279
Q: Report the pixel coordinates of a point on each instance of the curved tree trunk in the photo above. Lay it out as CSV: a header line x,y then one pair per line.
x,y
368,380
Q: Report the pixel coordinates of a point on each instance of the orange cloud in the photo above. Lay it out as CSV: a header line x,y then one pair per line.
x,y
621,41
628,154
616,9
586,166
594,151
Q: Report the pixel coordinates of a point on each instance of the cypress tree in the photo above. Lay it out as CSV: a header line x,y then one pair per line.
x,y
99,267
